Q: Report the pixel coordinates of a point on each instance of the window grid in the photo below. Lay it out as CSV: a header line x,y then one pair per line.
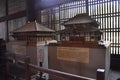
x,y
106,12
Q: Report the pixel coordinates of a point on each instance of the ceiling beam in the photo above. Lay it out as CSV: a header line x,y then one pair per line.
x,y
13,16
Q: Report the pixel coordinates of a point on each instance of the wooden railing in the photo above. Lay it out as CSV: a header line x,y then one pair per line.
x,y
64,75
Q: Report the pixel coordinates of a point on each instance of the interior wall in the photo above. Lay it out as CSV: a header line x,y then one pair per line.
x,y
2,30
2,8
14,24
2,24
16,6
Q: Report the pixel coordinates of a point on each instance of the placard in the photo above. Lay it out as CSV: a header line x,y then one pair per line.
x,y
73,54
18,49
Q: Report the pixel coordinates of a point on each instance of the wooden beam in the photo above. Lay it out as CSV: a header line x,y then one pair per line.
x,y
57,73
13,16
30,10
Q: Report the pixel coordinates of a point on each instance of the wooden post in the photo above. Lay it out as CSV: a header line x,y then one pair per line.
x,y
41,64
27,68
87,7
7,29
100,74
7,67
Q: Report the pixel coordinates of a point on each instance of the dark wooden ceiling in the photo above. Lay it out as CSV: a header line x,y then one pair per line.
x,y
50,3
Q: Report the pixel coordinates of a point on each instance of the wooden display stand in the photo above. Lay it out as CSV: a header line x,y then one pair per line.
x,y
83,61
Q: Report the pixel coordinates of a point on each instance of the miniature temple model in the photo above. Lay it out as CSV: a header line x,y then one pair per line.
x,y
78,50
30,40
81,29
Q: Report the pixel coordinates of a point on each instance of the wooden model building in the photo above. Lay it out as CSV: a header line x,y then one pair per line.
x,y
80,29
79,50
31,40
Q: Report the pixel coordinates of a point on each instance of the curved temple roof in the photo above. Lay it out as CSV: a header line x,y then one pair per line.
x,y
81,19
33,27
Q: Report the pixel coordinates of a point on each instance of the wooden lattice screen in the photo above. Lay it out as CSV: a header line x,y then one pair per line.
x,y
106,12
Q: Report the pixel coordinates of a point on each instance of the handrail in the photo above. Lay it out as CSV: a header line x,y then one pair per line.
x,y
68,76
57,73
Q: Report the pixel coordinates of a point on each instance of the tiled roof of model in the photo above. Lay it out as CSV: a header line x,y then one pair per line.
x,y
32,27
81,19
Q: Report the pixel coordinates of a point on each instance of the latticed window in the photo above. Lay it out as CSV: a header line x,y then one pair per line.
x,y
106,12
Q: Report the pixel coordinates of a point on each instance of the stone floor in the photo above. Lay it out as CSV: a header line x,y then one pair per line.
x,y
114,75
